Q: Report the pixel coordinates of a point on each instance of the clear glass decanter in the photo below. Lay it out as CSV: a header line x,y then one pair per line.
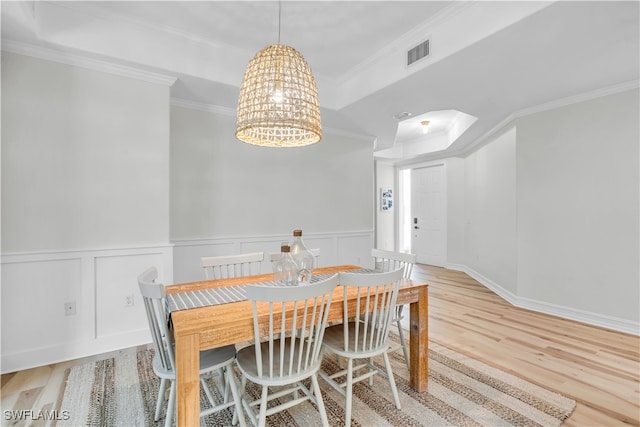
x,y
286,269
302,257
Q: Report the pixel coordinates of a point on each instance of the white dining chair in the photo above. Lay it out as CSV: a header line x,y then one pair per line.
x,y
275,257
292,350
366,335
214,362
388,261
229,266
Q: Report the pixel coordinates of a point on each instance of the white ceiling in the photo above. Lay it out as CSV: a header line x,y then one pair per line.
x,y
490,60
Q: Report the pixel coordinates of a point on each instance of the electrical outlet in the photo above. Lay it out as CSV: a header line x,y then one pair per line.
x,y
128,300
70,308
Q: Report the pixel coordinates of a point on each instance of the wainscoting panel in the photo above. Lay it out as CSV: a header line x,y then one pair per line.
x,y
38,290
187,253
101,283
335,248
119,305
37,287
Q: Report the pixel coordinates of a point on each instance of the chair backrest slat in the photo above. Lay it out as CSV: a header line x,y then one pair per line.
x,y
372,313
389,261
229,266
297,315
153,295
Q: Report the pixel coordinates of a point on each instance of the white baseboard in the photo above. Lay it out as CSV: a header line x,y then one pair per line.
x,y
583,316
69,351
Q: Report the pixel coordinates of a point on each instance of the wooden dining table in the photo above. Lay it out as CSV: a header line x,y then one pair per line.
x,y
211,326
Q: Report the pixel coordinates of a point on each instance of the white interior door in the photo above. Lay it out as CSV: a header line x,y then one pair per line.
x,y
429,215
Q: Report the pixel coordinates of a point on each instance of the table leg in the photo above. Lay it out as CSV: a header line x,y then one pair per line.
x,y
419,341
188,380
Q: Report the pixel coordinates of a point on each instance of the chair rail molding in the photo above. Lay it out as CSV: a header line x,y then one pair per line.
x,y
336,247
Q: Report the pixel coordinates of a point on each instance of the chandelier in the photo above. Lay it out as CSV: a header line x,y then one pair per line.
x,y
278,104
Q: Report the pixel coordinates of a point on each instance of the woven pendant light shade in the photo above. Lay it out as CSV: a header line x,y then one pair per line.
x,y
278,105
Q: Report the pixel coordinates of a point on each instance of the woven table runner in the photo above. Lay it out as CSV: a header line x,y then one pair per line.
x,y
227,294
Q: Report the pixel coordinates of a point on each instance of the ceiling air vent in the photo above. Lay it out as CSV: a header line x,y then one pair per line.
x,y
418,52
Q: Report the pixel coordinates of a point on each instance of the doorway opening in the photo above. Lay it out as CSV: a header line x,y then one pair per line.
x,y
404,210
422,217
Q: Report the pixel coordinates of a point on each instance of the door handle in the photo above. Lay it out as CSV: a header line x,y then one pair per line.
x,y
415,227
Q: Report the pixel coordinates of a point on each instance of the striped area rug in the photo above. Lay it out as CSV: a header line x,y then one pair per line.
x,y
462,392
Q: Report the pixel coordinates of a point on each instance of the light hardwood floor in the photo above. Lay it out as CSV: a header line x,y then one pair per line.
x,y
598,368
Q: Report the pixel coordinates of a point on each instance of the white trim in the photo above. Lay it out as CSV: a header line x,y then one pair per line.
x,y
11,257
61,353
336,247
587,96
578,315
83,61
264,238
507,121
201,106
552,105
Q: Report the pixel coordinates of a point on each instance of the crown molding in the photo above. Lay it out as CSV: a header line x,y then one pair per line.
x,y
558,103
201,106
507,121
77,60
575,99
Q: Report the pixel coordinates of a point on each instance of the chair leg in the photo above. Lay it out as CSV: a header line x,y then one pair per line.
x,y
348,393
160,400
403,343
223,385
231,384
241,391
262,419
392,381
171,405
319,401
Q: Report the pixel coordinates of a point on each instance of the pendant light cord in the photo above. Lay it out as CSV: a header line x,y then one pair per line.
x,y
279,18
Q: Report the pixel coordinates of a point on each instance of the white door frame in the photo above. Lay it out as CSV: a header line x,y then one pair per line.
x,y
401,193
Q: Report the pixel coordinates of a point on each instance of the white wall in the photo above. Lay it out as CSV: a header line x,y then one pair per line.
x,y
490,211
578,198
231,197
455,210
223,187
385,221
85,158
546,212
94,192
85,208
